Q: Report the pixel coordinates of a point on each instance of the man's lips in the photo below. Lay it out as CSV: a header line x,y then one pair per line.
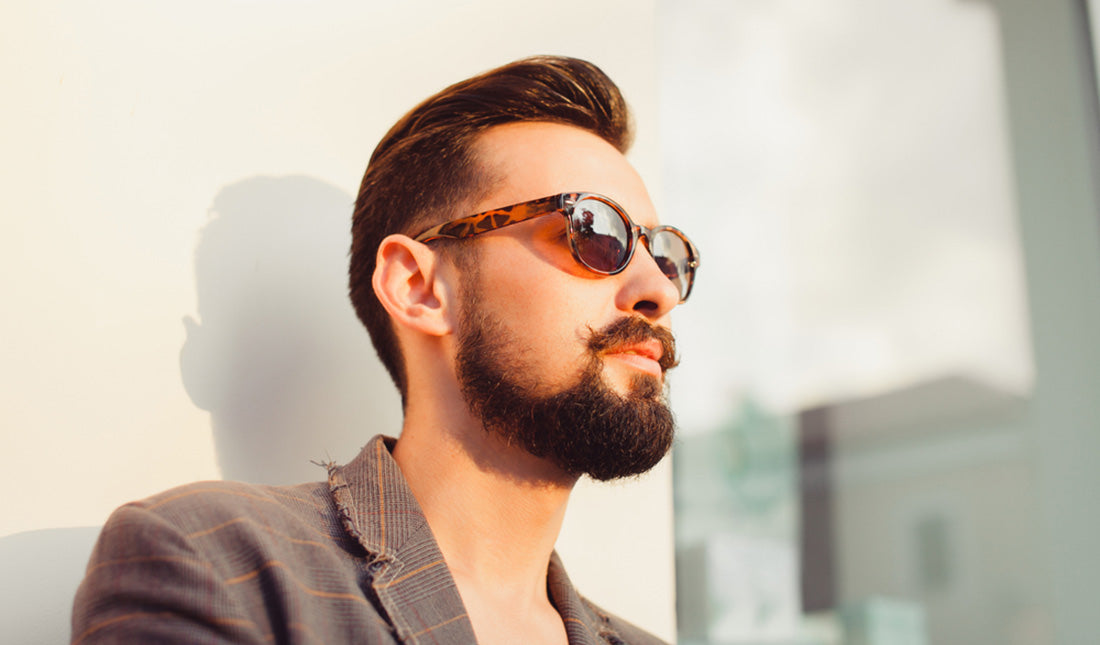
x,y
645,356
637,340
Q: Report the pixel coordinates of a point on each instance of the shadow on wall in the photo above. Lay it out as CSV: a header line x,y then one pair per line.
x,y
277,355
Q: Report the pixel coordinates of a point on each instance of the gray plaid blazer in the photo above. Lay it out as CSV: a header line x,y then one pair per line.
x,y
351,560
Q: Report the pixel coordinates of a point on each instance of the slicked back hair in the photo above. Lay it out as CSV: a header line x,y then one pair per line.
x,y
425,172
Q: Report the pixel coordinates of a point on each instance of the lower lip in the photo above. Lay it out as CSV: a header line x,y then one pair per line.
x,y
639,362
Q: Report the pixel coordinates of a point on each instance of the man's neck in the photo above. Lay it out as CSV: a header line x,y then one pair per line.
x,y
494,509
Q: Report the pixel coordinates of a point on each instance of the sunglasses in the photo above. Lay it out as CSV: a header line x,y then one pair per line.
x,y
601,235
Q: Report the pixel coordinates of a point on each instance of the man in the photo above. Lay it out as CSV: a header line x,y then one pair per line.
x,y
523,316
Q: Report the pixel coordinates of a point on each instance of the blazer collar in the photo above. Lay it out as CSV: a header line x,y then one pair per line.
x,y
408,573
584,622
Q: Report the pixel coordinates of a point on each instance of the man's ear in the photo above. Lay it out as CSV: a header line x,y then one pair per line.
x,y
407,283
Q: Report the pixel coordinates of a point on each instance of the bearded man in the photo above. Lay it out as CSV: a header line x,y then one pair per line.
x,y
510,268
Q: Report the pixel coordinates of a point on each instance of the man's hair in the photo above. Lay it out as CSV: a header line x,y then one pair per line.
x,y
425,172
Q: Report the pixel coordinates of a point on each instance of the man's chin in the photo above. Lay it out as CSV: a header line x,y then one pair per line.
x,y
634,385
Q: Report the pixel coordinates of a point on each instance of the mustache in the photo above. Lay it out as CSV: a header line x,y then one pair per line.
x,y
631,330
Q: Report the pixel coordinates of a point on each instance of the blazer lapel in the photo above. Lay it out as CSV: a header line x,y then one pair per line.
x,y
584,623
407,572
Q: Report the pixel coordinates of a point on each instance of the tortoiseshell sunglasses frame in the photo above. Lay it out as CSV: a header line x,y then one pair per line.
x,y
562,203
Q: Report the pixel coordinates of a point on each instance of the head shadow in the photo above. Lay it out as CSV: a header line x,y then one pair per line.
x,y
275,353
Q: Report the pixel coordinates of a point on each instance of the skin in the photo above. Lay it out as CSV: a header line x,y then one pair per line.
x,y
496,510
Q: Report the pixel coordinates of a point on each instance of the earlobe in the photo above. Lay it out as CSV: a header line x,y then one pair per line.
x,y
407,284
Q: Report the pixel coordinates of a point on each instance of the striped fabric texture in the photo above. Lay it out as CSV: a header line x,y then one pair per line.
x,y
350,560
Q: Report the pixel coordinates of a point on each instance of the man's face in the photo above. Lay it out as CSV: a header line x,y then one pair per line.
x,y
567,362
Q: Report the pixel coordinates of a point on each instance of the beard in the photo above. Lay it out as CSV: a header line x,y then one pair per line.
x,y
586,428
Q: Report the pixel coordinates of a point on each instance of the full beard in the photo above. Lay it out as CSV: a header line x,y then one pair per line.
x,y
585,429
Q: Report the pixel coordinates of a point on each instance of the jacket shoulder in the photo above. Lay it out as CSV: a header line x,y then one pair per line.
x,y
199,502
226,562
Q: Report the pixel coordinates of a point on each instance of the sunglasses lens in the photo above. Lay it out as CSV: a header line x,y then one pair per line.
x,y
601,236
673,256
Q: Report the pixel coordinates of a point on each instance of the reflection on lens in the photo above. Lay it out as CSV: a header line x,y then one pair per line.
x,y
600,235
672,257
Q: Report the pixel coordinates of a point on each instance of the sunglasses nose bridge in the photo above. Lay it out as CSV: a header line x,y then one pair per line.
x,y
641,235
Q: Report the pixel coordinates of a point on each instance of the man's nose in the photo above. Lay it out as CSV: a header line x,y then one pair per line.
x,y
646,290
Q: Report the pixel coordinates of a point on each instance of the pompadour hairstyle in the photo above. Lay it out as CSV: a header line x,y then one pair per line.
x,y
425,172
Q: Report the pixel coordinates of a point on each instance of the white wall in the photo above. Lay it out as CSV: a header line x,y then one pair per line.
x,y
132,131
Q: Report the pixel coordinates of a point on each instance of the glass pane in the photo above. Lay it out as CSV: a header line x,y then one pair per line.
x,y
884,409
